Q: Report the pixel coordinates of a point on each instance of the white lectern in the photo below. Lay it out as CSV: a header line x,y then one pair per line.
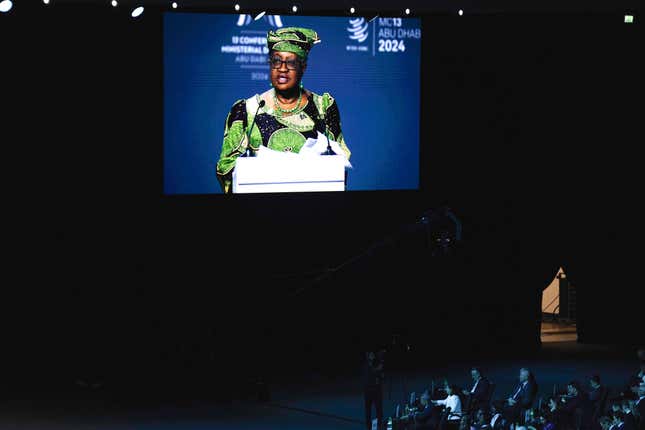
x,y
289,174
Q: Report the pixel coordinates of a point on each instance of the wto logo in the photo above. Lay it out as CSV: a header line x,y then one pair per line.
x,y
274,20
358,30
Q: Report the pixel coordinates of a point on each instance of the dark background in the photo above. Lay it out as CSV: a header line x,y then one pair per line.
x,y
531,135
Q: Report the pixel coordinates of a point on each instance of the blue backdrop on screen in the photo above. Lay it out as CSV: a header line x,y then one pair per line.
x,y
372,69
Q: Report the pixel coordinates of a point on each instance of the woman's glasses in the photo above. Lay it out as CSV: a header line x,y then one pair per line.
x,y
276,63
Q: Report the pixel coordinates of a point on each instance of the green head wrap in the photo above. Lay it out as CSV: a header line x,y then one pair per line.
x,y
292,39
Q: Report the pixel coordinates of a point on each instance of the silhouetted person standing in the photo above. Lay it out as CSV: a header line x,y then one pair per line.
x,y
373,388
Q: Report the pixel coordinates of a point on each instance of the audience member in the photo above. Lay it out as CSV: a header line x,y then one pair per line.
x,y
639,409
631,390
478,394
634,382
522,397
577,408
497,421
618,420
598,396
551,415
605,422
451,402
628,417
426,418
480,420
615,407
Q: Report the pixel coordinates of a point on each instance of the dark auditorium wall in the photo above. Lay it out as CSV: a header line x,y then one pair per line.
x,y
531,127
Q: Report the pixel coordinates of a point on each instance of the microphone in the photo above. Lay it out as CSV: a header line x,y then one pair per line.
x,y
328,151
249,152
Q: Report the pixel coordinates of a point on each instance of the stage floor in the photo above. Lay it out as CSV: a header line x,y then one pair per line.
x,y
318,403
558,331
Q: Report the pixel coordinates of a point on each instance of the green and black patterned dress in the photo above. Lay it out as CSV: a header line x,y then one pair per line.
x,y
275,130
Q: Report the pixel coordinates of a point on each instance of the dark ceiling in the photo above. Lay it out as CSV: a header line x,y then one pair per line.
x,y
386,7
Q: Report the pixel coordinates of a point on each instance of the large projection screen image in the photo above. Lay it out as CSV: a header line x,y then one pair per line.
x,y
228,119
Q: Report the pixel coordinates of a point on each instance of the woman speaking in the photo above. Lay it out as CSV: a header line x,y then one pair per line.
x,y
286,115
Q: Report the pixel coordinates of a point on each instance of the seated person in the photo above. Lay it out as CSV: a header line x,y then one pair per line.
x,y
532,418
551,415
480,420
640,354
497,421
425,418
414,402
630,423
605,422
451,402
577,408
635,379
639,407
439,389
615,410
618,420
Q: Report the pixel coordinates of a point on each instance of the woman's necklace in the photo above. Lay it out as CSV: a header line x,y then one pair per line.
x,y
283,111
